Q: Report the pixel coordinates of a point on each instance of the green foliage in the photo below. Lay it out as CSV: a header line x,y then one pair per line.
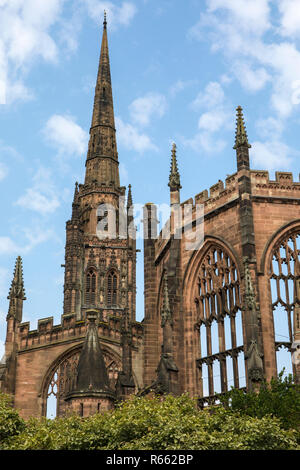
x,y
10,422
280,398
149,423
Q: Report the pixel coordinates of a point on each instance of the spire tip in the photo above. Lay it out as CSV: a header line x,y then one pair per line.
x,y
241,137
174,178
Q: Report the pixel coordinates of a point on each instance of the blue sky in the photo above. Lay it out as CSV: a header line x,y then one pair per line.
x,y
179,69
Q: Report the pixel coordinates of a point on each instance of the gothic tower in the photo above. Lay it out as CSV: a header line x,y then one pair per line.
x,y
100,260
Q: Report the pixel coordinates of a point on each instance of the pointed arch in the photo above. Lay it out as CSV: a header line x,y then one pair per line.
x,y
212,302
61,374
280,265
191,271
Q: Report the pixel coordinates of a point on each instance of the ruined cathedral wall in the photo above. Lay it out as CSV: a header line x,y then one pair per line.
x,y
276,211
275,204
32,367
222,226
221,218
40,348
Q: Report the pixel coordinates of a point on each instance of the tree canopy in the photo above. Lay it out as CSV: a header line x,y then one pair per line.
x,y
255,421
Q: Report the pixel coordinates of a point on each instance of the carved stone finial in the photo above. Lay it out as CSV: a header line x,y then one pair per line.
x,y
166,314
254,363
250,298
174,178
241,138
129,197
17,289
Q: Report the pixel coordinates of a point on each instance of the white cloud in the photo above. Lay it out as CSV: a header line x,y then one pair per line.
x,y
251,16
213,121
25,36
70,29
7,246
32,30
42,197
32,237
237,28
205,141
179,86
215,116
116,15
251,79
270,128
130,138
290,19
65,135
143,109
212,96
36,201
271,155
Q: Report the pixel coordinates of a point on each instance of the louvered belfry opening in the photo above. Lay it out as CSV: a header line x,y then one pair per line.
x,y
90,288
112,286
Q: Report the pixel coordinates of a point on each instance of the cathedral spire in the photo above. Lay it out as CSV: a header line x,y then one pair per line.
x,y
17,292
102,157
91,370
241,141
91,388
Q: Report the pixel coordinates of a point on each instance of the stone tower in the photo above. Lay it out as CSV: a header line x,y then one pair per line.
x,y
95,354
100,261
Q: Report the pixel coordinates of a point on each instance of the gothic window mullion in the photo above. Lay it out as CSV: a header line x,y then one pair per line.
x,y
222,348
64,377
217,291
284,270
290,325
234,356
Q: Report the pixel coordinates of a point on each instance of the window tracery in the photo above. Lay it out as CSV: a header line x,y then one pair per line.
x,y
219,319
285,292
63,379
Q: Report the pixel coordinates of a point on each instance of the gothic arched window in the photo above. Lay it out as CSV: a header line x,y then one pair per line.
x,y
219,318
285,291
63,378
90,287
112,289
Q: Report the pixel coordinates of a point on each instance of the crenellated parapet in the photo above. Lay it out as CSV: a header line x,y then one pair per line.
x,y
70,330
221,196
284,184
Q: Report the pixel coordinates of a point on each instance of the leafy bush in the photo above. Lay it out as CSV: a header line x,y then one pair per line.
x,y
152,424
10,422
280,398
